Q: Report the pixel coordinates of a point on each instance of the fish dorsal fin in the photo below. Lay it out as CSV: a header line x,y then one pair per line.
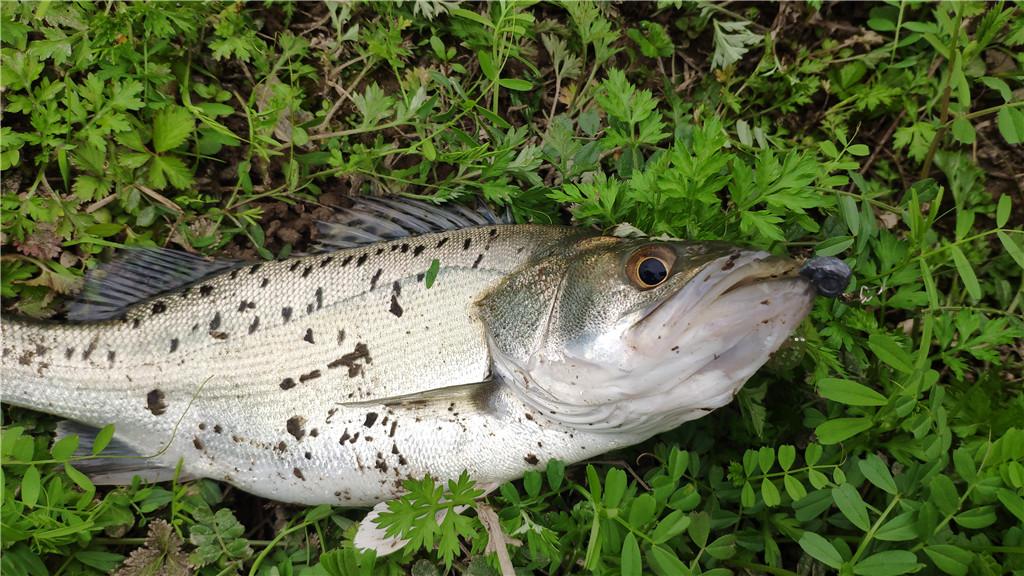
x,y
138,274
371,220
117,464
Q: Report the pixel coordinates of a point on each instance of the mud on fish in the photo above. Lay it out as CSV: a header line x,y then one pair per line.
x,y
333,377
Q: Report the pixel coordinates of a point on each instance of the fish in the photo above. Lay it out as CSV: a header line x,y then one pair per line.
x,y
423,340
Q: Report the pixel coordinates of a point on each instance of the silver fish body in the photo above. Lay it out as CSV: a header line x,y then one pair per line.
x,y
334,377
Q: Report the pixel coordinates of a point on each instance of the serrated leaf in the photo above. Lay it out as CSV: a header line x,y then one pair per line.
x,y
850,393
820,549
171,127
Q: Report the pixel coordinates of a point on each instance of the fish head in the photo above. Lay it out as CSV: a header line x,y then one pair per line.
x,y
637,336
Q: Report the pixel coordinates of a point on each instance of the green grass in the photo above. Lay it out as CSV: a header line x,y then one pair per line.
x,y
889,441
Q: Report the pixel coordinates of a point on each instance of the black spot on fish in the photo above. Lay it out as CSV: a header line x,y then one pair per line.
x,y
265,282
394,448
396,308
282,446
402,460
344,437
307,271
394,247
234,274
217,429
420,277
90,349
350,360
298,473
330,414
346,261
442,242
370,419
296,427
380,464
341,337
404,248
155,402
217,334
394,425
294,266
242,306
286,313
309,336
197,443
254,325
476,263
417,250
255,267
136,322
159,307
319,295
309,376
215,322
531,459
195,327
376,277
287,384
202,425
110,357
467,243
529,416
326,261
205,290
308,455
314,432
309,309
355,437
68,353
362,259
493,233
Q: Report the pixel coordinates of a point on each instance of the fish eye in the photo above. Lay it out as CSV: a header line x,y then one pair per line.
x,y
649,267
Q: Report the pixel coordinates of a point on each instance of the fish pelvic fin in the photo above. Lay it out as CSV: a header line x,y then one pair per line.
x,y
118,464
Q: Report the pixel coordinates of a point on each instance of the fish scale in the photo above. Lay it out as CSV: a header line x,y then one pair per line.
x,y
189,368
332,378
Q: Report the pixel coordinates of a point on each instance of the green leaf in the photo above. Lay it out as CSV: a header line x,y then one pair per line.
x,y
890,352
1011,248
963,131
850,393
30,485
834,246
770,493
787,455
952,560
632,563
516,84
614,487
852,506
732,41
65,447
667,561
171,127
963,267
977,518
943,494
875,470
164,169
1012,502
1003,210
794,487
670,526
820,549
888,563
839,429
722,548
700,527
641,511
431,274
1011,124
898,529
487,65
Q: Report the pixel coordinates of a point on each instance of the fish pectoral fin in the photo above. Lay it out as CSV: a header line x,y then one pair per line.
x,y
370,220
138,274
478,393
117,464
